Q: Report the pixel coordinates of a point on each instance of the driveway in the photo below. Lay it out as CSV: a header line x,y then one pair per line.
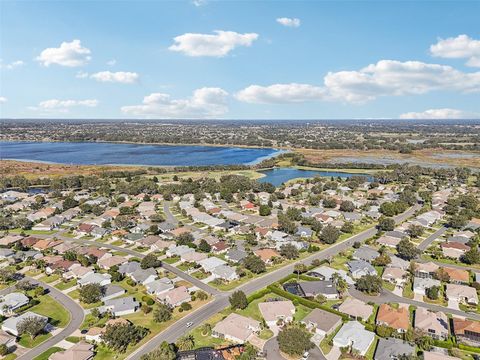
x,y
425,243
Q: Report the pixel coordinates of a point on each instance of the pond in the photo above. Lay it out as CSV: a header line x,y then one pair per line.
x,y
279,176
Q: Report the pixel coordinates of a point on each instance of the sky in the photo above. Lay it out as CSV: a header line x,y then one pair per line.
x,y
203,59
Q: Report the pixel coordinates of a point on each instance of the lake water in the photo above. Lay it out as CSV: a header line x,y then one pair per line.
x,y
90,153
281,175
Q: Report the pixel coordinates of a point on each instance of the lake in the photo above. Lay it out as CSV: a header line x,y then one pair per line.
x,y
280,175
92,153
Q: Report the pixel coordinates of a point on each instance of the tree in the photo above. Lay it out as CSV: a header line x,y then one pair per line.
x,y
415,231
471,256
150,261
432,292
206,329
6,275
340,284
294,340
165,351
347,206
254,264
384,331
39,291
185,306
238,300
32,325
457,221
201,295
119,336
442,275
369,284
25,285
347,228
204,246
264,210
90,293
386,224
329,234
162,313
381,260
407,250
3,350
184,239
289,251
186,342
249,353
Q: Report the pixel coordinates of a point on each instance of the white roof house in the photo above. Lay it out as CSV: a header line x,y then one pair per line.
x,y
354,334
11,324
211,263
95,278
225,272
11,302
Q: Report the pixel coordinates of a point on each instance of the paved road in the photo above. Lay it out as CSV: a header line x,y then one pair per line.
x,y
426,243
76,319
172,333
166,209
387,297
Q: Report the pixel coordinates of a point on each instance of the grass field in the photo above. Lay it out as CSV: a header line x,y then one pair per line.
x,y
57,314
46,354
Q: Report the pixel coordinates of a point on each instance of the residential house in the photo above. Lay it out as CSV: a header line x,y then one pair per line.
x,y
236,328
225,272
8,340
11,302
235,255
95,278
356,309
193,256
397,319
389,241
435,324
144,276
80,351
426,270
322,322
454,249
394,275
422,284
220,247
266,255
462,294
390,349
159,286
120,306
115,260
359,268
129,267
326,273
457,276
111,291
175,297
353,334
11,324
365,253
275,311
467,331
321,287
175,250
9,240
211,263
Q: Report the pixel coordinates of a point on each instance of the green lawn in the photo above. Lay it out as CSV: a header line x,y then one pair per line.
x,y
57,314
28,342
118,243
76,295
325,343
388,285
66,285
200,275
408,290
46,354
171,260
50,278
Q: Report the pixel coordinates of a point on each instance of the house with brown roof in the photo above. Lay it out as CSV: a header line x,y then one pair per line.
x,y
45,244
394,275
220,247
435,324
322,322
453,249
426,270
84,229
179,231
457,276
266,254
397,319
356,309
108,262
62,266
10,239
467,331
29,241
236,328
175,297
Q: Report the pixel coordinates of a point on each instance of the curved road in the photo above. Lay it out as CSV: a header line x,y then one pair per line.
x,y
173,332
76,319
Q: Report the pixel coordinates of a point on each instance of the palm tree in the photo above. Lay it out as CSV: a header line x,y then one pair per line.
x,y
340,283
205,329
186,342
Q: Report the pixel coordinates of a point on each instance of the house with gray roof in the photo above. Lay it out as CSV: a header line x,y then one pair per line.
x,y
95,278
326,273
6,253
11,302
144,276
235,255
321,287
359,268
390,348
11,324
111,291
120,306
129,267
225,272
421,284
365,253
304,231
159,286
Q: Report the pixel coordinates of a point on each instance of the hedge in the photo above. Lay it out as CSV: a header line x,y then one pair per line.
x,y
308,303
257,295
469,348
446,344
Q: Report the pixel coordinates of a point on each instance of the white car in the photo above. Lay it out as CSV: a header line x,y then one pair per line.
x,y
305,355
189,324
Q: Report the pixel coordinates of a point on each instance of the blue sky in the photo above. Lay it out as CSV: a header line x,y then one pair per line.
x,y
239,60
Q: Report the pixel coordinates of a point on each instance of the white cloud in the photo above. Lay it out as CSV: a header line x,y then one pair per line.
x,y
12,65
123,77
290,22
198,3
281,93
205,103
81,75
56,105
461,47
217,45
440,114
3,99
69,54
111,62
385,78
